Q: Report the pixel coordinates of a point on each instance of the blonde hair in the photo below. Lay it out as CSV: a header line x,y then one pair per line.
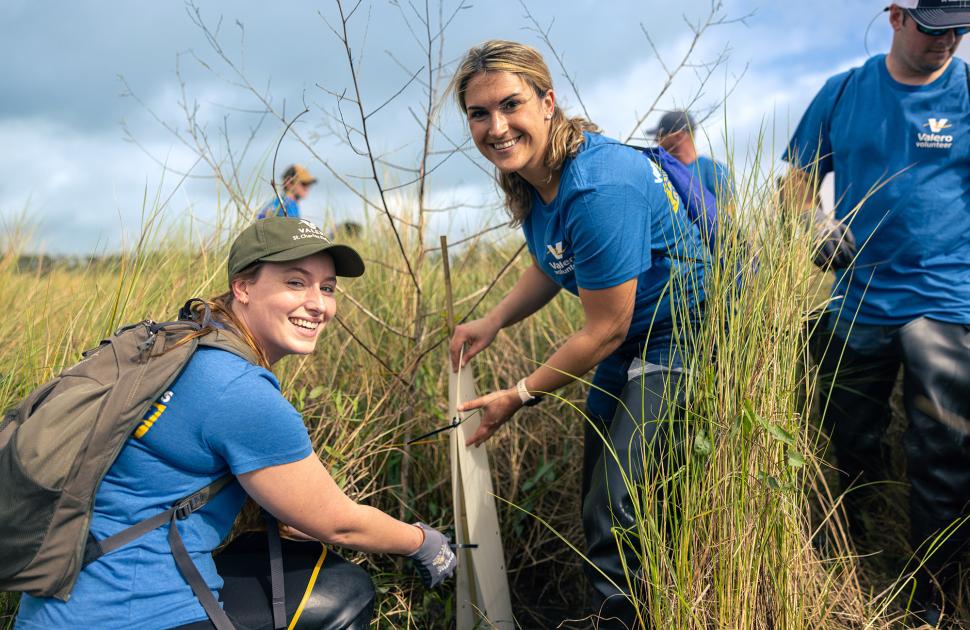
x,y
565,134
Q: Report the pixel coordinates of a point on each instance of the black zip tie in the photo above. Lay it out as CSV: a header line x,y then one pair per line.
x,y
463,545
454,423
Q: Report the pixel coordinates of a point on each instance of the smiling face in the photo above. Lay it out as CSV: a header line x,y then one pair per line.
x,y
919,53
287,304
509,123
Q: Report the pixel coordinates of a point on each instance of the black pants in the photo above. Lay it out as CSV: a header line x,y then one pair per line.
x,y
857,378
326,591
640,422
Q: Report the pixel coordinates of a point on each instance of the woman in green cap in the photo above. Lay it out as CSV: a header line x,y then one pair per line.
x,y
224,414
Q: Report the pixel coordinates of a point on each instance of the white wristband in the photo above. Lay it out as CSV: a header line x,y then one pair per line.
x,y
523,391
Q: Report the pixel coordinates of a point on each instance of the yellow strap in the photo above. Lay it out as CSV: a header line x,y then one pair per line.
x,y
309,589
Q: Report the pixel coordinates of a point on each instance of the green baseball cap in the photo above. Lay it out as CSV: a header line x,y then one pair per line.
x,y
280,239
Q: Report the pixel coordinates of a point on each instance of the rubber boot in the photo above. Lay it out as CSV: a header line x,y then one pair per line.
x,y
609,503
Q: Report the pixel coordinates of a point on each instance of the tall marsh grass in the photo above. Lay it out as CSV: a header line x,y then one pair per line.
x,y
730,547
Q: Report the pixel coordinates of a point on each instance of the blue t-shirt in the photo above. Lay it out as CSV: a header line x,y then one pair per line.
x,y
272,208
221,415
901,154
713,176
613,219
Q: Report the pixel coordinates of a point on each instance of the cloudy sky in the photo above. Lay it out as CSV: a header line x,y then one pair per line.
x,y
97,97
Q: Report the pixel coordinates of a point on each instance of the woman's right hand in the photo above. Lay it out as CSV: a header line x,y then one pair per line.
x,y
434,559
477,334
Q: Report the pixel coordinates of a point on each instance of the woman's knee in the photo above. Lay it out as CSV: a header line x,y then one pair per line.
x,y
342,597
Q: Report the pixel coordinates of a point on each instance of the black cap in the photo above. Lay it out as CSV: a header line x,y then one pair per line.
x,y
673,121
281,239
937,13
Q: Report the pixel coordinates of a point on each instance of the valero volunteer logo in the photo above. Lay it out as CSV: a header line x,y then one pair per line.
x,y
556,250
308,230
935,139
560,266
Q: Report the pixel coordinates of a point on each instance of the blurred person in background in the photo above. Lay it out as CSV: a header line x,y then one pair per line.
x,y
896,133
296,186
675,133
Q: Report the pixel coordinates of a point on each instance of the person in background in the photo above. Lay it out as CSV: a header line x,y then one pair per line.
x,y
896,133
296,186
675,134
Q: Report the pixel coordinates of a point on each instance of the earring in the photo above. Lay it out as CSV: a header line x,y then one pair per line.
x,y
548,116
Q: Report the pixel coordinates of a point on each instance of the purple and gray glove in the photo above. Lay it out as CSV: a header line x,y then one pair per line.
x,y
434,559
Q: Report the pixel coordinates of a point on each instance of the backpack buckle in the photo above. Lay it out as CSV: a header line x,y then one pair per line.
x,y
186,506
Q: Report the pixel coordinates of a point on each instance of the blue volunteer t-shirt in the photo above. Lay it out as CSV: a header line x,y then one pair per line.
x,y
901,154
713,176
612,220
221,415
273,209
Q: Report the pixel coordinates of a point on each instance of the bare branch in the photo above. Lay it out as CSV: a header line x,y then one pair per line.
x,y
474,236
380,190
713,18
491,285
543,34
383,324
396,94
368,350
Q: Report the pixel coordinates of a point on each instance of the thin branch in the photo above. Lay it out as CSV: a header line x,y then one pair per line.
x,y
367,349
544,36
491,285
380,190
272,182
396,94
371,315
474,236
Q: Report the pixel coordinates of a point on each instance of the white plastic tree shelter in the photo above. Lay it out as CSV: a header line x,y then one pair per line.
x,y
483,588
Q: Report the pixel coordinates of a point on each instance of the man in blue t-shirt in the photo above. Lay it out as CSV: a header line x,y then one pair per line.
x,y
675,133
896,133
296,185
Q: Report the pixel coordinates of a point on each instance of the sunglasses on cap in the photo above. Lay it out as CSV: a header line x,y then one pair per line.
x,y
959,31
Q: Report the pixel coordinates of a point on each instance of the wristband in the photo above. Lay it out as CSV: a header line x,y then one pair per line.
x,y
527,399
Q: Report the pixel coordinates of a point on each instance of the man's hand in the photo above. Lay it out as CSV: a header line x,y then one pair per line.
x,y
836,248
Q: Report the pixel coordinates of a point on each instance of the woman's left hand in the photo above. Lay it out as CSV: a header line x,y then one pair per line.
x,y
497,409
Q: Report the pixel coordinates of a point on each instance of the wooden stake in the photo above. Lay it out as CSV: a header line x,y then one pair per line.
x,y
449,297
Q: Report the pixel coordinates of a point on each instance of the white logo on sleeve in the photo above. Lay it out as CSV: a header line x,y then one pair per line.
x,y
935,139
556,251
562,264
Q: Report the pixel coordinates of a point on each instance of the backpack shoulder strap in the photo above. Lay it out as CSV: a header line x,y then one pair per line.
x,y
180,510
221,337
224,339
94,549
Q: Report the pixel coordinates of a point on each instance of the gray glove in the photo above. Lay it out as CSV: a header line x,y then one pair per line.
x,y
836,248
434,559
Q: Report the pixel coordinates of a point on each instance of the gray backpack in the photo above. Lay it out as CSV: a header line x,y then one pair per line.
x,y
59,442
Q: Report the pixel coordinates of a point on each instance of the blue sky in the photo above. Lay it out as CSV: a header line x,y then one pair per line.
x,y
68,166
